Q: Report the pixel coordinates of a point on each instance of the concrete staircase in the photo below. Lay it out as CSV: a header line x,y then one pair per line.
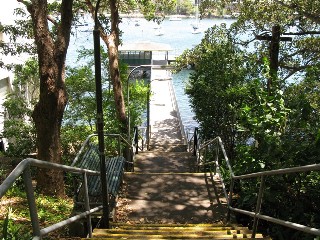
x,y
166,198
159,161
175,231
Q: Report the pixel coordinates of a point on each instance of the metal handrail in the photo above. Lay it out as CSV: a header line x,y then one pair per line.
x,y
139,133
23,169
176,107
193,140
216,144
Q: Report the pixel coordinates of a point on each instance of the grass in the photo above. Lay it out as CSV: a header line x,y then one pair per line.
x,y
15,220
14,212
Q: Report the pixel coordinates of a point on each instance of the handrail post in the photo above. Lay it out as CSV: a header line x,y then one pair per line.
x,y
230,199
217,158
119,144
148,116
148,134
258,206
195,141
136,139
31,202
87,204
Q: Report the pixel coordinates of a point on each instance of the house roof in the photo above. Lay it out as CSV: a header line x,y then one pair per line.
x,y
145,46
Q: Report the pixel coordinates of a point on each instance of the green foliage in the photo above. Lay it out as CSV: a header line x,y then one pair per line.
x,y
11,230
156,10
185,7
80,113
15,223
218,78
18,125
263,128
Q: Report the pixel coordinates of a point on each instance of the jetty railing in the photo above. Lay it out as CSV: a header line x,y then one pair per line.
x,y
208,158
176,107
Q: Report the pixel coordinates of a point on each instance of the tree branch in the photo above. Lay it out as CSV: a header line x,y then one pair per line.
x,y
302,33
64,28
313,17
103,33
51,19
27,4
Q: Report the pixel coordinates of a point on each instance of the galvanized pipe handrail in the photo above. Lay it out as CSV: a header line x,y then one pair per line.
x,y
219,141
296,226
256,215
136,135
23,168
190,136
306,168
176,107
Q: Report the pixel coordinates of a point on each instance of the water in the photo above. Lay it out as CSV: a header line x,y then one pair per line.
x,y
178,34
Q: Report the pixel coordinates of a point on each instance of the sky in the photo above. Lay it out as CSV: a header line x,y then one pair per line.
x,y
7,17
6,10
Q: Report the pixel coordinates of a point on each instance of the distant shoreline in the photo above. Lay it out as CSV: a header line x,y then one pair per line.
x,y
139,15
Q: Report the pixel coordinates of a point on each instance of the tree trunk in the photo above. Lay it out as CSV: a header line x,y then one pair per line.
x,y
112,42
49,110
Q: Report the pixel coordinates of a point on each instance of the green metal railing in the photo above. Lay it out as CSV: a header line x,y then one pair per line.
x,y
118,142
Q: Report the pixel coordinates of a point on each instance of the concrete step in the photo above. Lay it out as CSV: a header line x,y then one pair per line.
x,y
173,147
174,198
174,231
164,162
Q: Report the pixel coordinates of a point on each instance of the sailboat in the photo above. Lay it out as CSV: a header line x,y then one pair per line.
x,y
159,31
196,24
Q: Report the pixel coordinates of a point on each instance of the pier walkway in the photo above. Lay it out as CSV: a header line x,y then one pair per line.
x,y
165,187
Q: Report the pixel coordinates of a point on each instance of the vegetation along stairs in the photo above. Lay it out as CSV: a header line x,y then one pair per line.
x,y
165,198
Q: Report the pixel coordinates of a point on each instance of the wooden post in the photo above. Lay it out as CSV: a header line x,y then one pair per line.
x,y
274,46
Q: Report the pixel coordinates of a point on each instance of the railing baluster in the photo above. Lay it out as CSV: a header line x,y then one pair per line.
x,y
230,199
195,142
87,203
217,158
31,202
136,139
258,206
119,145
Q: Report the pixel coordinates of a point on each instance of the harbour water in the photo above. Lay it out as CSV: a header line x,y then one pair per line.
x,y
178,34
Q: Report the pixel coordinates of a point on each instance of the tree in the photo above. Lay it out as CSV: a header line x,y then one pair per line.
x,y
220,78
297,19
79,117
51,44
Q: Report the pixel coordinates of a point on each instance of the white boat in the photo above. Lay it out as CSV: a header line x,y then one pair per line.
x,y
196,31
159,32
175,18
196,24
136,23
157,26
